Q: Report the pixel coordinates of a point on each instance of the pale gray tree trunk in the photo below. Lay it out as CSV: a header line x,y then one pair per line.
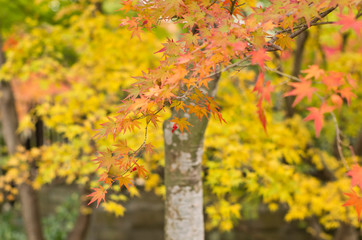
x,y
9,119
184,218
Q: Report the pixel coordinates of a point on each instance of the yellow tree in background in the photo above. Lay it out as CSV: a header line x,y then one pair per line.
x,y
67,76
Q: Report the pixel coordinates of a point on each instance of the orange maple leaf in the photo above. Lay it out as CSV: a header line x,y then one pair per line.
x,y
125,180
105,160
347,94
317,114
356,174
107,128
337,100
141,171
182,124
259,57
350,22
356,201
98,194
333,80
153,119
122,148
104,177
313,71
198,111
178,105
301,89
127,6
149,148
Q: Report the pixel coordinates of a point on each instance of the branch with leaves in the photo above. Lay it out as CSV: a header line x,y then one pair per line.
x,y
220,36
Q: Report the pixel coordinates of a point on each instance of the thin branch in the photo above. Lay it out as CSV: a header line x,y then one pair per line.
x,y
339,141
211,4
305,26
315,20
359,14
135,153
283,74
236,64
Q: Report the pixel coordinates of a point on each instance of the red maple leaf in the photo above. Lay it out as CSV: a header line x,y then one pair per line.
x,y
259,57
98,194
356,174
356,201
317,114
266,91
301,89
350,22
261,113
333,80
351,81
347,94
259,83
313,71
174,127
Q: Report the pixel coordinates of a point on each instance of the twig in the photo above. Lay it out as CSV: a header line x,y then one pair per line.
x,y
215,73
315,20
211,4
283,74
339,141
135,153
305,26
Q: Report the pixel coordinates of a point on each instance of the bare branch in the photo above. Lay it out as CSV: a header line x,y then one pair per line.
x,y
305,26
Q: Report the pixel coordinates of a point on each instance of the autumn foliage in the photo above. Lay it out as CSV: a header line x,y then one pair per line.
x,y
219,36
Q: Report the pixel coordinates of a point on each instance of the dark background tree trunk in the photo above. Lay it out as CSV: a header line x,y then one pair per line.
x,y
82,223
9,119
298,59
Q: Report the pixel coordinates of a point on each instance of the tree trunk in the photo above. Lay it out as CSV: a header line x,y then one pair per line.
x,y
346,232
80,228
9,118
298,58
183,176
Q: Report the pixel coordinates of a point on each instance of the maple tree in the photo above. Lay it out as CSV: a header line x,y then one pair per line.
x,y
220,36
